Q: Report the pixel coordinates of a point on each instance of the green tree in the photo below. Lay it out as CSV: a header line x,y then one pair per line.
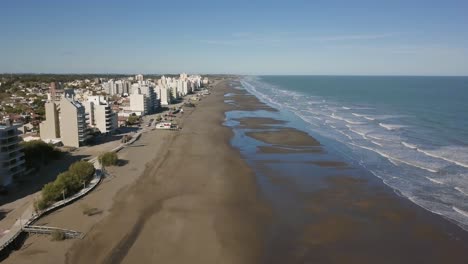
x,y
51,192
133,119
37,152
83,170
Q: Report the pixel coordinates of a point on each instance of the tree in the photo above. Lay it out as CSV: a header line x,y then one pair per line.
x,y
133,119
37,152
68,182
51,192
108,159
83,170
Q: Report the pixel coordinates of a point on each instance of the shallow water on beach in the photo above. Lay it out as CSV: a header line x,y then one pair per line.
x,y
327,207
412,132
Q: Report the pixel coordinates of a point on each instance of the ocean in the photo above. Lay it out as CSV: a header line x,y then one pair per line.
x,y
411,132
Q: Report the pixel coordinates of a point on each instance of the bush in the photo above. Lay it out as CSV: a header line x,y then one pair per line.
x,y
108,159
58,235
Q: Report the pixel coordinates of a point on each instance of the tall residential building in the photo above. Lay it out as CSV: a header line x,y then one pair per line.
x,y
100,114
138,102
139,77
151,97
163,95
11,154
50,128
73,123
65,120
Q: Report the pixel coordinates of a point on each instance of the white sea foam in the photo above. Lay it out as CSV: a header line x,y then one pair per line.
x,y
391,127
341,132
363,135
434,180
363,116
450,154
382,139
460,211
395,159
461,190
337,117
408,145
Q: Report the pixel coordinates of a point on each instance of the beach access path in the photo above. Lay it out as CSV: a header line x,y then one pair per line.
x,y
30,215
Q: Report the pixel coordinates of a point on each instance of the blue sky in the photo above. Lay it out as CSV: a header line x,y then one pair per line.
x,y
242,37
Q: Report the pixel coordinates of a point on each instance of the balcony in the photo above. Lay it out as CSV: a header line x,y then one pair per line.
x,y
8,134
10,142
12,156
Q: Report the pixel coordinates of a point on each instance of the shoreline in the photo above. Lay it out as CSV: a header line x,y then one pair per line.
x,y
238,185
328,211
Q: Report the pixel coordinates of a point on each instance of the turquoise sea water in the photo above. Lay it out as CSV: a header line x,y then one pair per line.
x,y
412,132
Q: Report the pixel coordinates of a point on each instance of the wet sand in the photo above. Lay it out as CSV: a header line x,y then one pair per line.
x,y
259,122
285,136
328,211
195,203
189,197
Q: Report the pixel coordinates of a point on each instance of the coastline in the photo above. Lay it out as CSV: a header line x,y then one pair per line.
x,y
238,185
326,210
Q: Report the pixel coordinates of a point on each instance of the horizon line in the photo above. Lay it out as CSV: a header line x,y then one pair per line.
x,y
237,74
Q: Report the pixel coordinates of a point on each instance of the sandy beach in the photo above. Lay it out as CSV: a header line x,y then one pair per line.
x,y
181,197
190,197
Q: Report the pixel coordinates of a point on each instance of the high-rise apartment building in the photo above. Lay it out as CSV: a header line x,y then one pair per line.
x,y
100,114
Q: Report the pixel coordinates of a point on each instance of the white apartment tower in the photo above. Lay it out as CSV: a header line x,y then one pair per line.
x,y
100,114
138,102
139,77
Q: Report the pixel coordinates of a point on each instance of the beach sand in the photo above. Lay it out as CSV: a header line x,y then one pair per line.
x,y
189,197
195,201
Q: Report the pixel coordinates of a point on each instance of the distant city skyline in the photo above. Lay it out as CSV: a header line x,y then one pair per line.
x,y
235,37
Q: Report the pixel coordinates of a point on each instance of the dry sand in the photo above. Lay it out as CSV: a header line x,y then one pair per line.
x,y
195,202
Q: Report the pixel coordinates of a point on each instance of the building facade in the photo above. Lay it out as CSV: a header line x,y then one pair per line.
x,y
100,114
50,128
12,163
74,129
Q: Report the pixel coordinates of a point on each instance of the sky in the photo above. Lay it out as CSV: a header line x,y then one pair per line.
x,y
331,37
